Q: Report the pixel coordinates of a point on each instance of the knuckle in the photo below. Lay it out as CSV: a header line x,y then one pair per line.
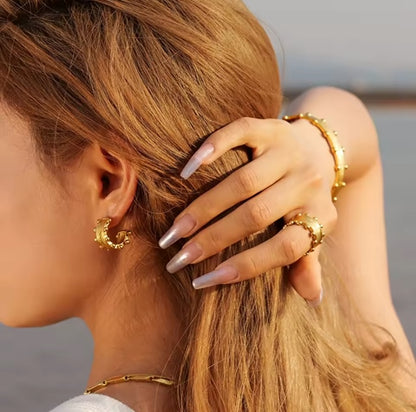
x,y
297,158
215,240
252,266
288,250
247,181
314,178
259,214
244,123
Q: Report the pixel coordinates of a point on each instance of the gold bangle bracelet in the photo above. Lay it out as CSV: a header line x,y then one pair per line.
x,y
336,149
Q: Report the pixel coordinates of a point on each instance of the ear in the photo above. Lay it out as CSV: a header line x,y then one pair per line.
x,y
112,180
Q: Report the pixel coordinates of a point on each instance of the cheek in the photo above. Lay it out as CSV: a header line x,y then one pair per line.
x,y
47,260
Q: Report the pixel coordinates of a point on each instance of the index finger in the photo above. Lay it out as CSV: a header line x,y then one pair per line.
x,y
243,131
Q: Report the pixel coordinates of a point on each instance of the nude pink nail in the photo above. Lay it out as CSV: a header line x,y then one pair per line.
x,y
185,256
185,224
219,276
196,160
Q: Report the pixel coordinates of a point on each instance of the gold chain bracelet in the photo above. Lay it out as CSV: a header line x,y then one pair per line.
x,y
336,149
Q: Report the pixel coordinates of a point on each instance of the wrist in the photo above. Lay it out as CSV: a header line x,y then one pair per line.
x,y
316,148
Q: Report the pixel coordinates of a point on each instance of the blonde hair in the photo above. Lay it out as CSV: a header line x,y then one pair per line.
x,y
148,80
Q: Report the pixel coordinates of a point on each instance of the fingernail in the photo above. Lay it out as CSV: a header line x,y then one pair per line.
x,y
317,301
178,229
196,160
219,276
185,256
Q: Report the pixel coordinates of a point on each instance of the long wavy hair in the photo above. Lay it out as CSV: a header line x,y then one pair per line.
x,y
149,80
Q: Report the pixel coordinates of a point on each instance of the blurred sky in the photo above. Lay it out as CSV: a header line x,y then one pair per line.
x,y
359,43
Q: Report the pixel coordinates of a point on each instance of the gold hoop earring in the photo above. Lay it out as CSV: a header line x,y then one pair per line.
x,y
101,235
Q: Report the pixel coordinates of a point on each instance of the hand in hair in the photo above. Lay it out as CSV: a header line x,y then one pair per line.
x,y
281,181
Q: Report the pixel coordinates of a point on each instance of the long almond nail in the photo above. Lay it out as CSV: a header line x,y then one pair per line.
x,y
219,276
185,256
196,160
178,229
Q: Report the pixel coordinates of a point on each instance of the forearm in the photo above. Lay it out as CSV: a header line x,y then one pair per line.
x,y
357,246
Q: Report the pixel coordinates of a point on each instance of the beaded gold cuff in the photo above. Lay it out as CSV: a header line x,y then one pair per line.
x,y
336,149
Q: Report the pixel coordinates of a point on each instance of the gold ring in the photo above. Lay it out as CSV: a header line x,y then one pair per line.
x,y
312,225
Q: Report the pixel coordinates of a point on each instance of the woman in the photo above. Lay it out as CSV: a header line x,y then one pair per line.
x,y
102,103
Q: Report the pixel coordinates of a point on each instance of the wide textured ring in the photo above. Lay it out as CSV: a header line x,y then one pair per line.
x,y
312,225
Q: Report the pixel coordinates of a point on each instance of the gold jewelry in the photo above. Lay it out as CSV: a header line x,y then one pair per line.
x,y
312,225
336,149
101,235
131,377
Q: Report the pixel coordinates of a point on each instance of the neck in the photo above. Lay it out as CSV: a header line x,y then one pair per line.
x,y
136,333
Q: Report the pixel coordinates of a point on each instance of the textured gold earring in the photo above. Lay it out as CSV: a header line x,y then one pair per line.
x,y
101,235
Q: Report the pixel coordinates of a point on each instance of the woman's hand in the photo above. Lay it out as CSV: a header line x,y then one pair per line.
x,y
288,177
